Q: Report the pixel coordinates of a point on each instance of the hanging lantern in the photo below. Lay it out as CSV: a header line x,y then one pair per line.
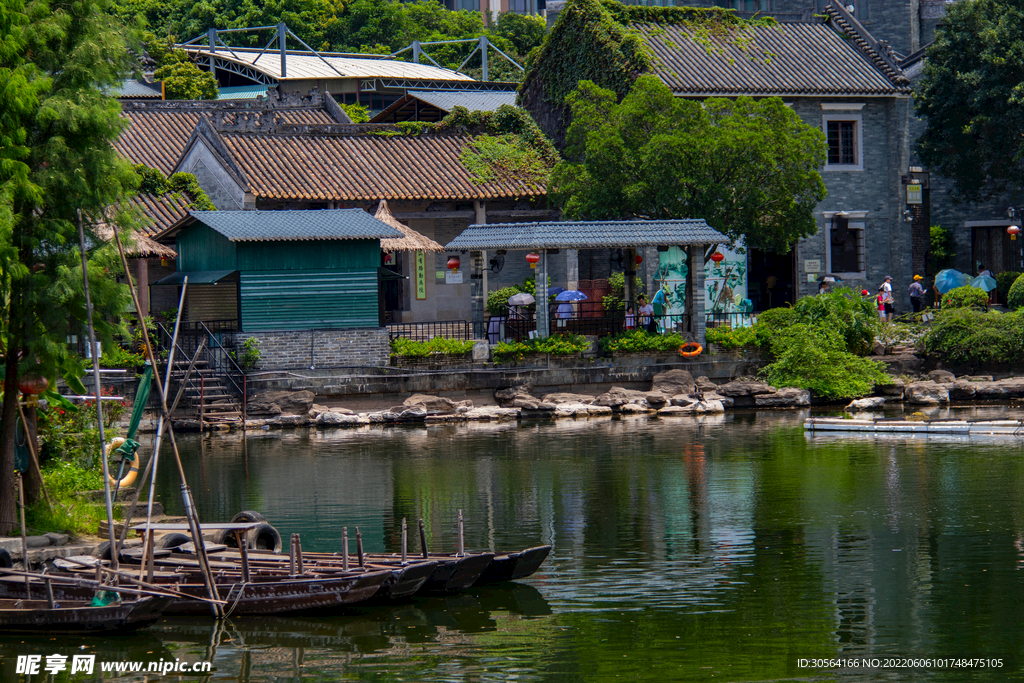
x,y
32,385
718,257
639,259
453,264
1013,230
532,259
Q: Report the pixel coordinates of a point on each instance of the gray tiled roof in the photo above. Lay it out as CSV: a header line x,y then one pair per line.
x,y
326,224
133,88
788,59
586,235
471,100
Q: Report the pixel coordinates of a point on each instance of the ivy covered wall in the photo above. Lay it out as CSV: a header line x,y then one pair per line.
x,y
596,40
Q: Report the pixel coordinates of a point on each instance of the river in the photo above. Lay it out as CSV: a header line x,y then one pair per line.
x,y
726,548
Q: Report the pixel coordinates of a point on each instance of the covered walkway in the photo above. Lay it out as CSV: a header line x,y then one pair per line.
x,y
691,235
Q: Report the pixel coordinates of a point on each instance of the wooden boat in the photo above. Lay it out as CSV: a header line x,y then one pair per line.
x,y
512,566
77,616
451,573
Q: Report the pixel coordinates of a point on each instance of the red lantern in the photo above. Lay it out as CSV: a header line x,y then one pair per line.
x,y
1013,230
32,384
639,259
453,263
718,257
532,259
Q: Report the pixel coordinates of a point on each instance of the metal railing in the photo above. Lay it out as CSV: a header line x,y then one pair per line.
x,y
731,319
421,332
224,366
217,360
588,318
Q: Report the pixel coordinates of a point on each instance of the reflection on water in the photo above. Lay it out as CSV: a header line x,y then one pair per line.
x,y
691,549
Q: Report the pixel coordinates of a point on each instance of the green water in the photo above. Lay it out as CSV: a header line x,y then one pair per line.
x,y
722,549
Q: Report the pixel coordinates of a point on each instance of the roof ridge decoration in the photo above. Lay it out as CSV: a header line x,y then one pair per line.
x,y
879,52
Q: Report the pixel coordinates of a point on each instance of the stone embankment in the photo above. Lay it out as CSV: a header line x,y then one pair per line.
x,y
672,393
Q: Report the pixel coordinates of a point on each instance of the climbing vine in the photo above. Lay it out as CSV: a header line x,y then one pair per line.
x,y
152,181
601,41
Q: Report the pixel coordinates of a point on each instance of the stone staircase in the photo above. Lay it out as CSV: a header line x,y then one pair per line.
x,y
208,396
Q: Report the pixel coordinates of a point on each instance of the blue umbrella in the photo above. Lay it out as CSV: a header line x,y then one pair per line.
x,y
571,295
950,279
986,282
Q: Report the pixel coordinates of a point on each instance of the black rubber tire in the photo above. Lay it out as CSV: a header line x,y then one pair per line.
x,y
227,537
248,516
264,537
172,540
102,551
5,559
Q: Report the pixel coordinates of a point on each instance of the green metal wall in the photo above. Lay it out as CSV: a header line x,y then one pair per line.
x,y
200,248
309,299
308,255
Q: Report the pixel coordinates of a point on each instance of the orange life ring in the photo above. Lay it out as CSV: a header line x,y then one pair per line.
x,y
697,349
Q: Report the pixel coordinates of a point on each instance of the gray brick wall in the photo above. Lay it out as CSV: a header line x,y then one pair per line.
x,y
306,349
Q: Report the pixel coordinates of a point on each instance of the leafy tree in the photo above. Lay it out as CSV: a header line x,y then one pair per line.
x,y
941,249
357,112
183,80
748,167
524,31
970,96
56,60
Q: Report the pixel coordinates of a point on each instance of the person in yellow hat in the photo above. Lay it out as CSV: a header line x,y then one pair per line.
x,y
917,292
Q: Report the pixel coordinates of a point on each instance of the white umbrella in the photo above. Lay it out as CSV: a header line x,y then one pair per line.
x,y
521,299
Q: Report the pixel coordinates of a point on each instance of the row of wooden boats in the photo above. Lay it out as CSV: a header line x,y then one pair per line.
x,y
247,582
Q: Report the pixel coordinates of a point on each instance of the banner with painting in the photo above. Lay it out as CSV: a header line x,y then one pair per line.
x,y
725,286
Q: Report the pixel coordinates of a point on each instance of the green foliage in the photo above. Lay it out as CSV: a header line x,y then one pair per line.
x,y
64,479
940,250
359,113
490,158
438,346
511,143
853,317
731,338
615,300
497,301
70,514
1004,281
967,336
57,128
251,354
118,357
183,80
814,357
524,31
73,435
748,167
1015,297
771,324
639,341
970,97
555,345
152,181
594,41
965,296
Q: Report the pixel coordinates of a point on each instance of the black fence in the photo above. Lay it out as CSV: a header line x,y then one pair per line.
x,y
731,319
588,318
421,332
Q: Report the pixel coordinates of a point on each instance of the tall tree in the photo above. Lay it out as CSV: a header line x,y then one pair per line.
x,y
56,59
971,97
748,167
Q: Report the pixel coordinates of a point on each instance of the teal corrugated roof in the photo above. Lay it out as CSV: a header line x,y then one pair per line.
x,y
586,235
324,224
242,92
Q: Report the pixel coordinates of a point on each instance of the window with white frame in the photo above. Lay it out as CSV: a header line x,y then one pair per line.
x,y
845,142
844,244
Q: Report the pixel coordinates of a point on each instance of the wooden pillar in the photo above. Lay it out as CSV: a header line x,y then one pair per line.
x,y
541,295
142,276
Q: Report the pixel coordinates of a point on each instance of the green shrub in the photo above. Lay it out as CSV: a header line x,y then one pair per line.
x,y
853,316
497,301
940,251
770,324
117,357
815,357
70,513
1015,297
965,297
555,345
731,338
615,301
1004,281
438,346
966,336
639,341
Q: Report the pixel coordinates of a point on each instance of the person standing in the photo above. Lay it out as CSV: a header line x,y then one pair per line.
x,y
887,300
646,312
917,292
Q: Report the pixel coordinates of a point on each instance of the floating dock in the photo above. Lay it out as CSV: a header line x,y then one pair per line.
x,y
1010,428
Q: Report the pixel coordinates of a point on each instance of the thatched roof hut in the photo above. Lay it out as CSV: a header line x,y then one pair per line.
x,y
413,241
138,245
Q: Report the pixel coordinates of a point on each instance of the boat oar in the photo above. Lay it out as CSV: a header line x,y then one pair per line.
x,y
148,586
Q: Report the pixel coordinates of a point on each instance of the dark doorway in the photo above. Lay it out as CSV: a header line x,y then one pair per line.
x,y
992,247
770,276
